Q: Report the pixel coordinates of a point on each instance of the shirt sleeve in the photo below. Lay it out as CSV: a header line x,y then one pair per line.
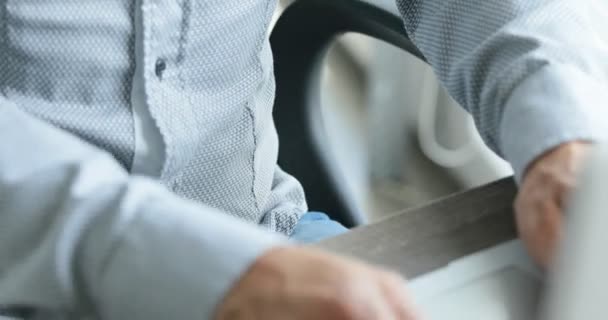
x,y
532,73
79,236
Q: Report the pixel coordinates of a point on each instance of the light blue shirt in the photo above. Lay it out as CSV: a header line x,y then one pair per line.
x,y
138,151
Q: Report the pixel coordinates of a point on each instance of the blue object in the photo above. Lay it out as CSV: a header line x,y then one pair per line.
x,y
314,227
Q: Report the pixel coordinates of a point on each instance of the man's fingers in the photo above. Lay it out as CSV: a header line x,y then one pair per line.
x,y
304,283
539,220
543,197
547,234
401,303
562,193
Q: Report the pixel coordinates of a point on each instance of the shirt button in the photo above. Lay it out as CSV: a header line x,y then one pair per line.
x,y
160,67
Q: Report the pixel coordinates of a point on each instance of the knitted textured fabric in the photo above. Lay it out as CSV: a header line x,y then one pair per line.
x,y
72,64
485,50
78,235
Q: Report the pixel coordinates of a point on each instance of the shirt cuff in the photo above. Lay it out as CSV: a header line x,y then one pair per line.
x,y
557,104
175,260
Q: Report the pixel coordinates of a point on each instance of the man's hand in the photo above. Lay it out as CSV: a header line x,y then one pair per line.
x,y
542,196
307,284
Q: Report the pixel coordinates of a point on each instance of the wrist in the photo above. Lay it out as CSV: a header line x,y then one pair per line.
x,y
568,154
546,111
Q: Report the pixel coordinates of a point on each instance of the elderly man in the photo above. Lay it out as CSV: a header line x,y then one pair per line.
x,y
138,175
